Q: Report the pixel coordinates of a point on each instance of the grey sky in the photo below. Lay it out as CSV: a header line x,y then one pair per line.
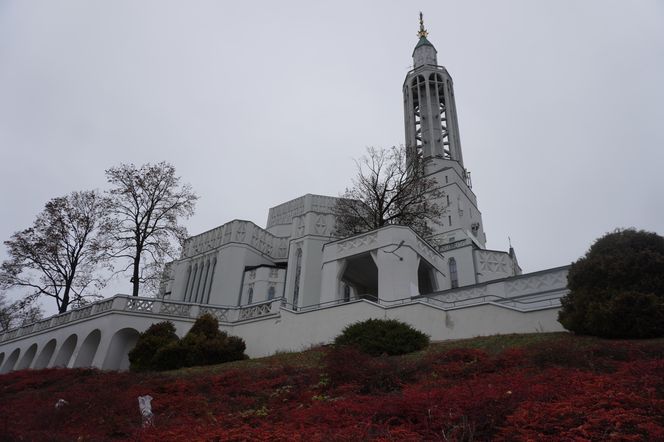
x,y
560,105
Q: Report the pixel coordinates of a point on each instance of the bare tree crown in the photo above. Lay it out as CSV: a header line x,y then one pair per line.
x,y
389,190
147,204
59,255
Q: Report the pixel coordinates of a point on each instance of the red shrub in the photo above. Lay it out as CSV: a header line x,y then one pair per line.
x,y
455,395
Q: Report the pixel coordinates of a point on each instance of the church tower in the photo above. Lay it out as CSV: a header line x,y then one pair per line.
x,y
432,134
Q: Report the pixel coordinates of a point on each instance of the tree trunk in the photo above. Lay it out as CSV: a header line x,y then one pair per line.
x,y
64,304
135,277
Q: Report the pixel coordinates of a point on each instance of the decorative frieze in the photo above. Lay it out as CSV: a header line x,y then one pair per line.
x,y
244,232
357,241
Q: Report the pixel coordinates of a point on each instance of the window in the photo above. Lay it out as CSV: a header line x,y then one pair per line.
x,y
448,199
346,293
270,293
449,219
298,271
446,179
454,277
250,297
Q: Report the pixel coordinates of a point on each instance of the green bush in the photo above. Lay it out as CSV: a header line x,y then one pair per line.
x,y
207,345
170,357
149,342
204,350
617,288
204,344
382,336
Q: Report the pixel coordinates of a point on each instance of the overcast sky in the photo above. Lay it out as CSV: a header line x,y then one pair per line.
x,y
560,105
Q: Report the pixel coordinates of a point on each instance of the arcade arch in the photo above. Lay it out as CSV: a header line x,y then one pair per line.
x,y
121,344
27,358
86,353
11,360
65,352
45,355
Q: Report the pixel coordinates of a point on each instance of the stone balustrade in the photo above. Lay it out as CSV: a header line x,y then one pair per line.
x,y
527,292
147,306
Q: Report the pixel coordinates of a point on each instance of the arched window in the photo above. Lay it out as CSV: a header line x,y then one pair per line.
x,y
346,293
454,277
250,297
270,293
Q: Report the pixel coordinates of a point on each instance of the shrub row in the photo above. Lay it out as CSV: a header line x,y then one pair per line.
x,y
159,348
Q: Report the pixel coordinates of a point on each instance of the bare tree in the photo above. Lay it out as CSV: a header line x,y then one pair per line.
x,y
18,313
59,255
147,204
389,190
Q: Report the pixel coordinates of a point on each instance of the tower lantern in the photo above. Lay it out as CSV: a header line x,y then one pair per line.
x,y
432,136
432,130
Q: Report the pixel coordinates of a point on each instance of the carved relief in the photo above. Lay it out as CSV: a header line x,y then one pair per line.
x,y
463,295
427,252
547,281
495,262
241,232
245,232
360,241
321,225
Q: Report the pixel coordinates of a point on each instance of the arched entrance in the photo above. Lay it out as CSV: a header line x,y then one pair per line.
x,y
361,274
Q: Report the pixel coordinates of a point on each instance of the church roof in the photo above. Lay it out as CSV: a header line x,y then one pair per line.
x,y
423,42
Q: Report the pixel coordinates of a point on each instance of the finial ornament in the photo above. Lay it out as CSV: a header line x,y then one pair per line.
x,y
422,32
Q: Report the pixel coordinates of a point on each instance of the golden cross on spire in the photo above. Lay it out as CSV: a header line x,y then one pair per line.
x,y
422,32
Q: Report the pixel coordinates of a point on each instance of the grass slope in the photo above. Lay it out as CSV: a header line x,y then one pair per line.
x,y
515,387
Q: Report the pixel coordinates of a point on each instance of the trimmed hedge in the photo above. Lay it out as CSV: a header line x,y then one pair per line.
x,y
382,336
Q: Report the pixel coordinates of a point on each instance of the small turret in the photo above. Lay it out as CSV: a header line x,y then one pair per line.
x,y
424,52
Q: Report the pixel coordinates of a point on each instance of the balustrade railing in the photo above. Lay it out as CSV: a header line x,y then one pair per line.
x,y
542,293
147,306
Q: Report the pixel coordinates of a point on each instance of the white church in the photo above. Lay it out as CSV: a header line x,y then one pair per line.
x,y
293,283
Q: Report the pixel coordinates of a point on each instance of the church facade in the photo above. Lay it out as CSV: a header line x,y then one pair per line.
x,y
299,258
295,283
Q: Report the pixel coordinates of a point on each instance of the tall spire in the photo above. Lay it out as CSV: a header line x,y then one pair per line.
x,y
422,32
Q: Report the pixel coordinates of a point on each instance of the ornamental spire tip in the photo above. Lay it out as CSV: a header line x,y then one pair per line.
x,y
422,32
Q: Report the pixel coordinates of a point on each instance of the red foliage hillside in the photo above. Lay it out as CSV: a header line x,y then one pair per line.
x,y
558,388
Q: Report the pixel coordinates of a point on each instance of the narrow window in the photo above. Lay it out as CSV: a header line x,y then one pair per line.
x,y
250,297
298,271
449,219
454,278
446,179
346,293
448,199
270,293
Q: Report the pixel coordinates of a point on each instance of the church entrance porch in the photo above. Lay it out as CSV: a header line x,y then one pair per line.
x,y
387,264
